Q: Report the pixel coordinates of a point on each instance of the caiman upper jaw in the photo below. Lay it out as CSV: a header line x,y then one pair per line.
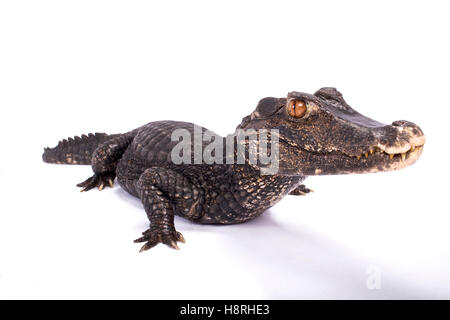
x,y
388,147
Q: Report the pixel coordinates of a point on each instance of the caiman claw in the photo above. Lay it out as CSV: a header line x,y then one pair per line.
x,y
153,237
97,180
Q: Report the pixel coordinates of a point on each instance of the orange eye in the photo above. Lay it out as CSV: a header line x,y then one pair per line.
x,y
296,108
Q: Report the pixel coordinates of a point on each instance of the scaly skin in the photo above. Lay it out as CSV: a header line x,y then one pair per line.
x,y
329,138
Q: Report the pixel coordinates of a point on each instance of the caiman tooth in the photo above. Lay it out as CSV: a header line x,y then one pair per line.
x,y
403,156
413,147
391,156
366,154
371,151
358,157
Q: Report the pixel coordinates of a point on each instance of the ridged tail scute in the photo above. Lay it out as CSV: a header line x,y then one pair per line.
x,y
77,150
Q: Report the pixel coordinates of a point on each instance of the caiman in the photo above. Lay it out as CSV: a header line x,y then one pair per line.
x,y
316,134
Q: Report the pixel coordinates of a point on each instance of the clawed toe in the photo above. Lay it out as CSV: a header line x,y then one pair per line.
x,y
152,238
97,180
301,190
180,237
148,245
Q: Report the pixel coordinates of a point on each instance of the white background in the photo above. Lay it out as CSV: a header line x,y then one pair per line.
x,y
73,67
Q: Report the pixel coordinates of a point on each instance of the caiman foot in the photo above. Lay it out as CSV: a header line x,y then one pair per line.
x,y
153,237
301,190
98,180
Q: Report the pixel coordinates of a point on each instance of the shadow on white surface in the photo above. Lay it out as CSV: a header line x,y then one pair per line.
x,y
285,261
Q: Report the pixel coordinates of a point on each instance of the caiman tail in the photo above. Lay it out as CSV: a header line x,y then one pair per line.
x,y
77,150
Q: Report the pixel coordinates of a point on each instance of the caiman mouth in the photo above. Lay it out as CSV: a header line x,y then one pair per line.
x,y
403,155
374,159
377,159
401,152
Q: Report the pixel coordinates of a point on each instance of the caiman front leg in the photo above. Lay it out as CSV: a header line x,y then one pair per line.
x,y
301,190
104,162
162,191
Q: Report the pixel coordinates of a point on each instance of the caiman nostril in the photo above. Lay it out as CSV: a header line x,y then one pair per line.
x,y
400,123
409,127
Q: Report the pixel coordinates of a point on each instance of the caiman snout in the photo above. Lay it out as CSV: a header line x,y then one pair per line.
x,y
402,136
401,143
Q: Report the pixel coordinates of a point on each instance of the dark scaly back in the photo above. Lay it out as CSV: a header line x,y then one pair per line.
x,y
77,150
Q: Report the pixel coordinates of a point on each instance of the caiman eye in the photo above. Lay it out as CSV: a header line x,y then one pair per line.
x,y
297,108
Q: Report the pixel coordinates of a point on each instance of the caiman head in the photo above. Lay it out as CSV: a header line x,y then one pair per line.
x,y
321,134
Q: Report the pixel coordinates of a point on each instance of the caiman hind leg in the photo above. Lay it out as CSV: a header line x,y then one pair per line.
x,y
104,162
162,192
